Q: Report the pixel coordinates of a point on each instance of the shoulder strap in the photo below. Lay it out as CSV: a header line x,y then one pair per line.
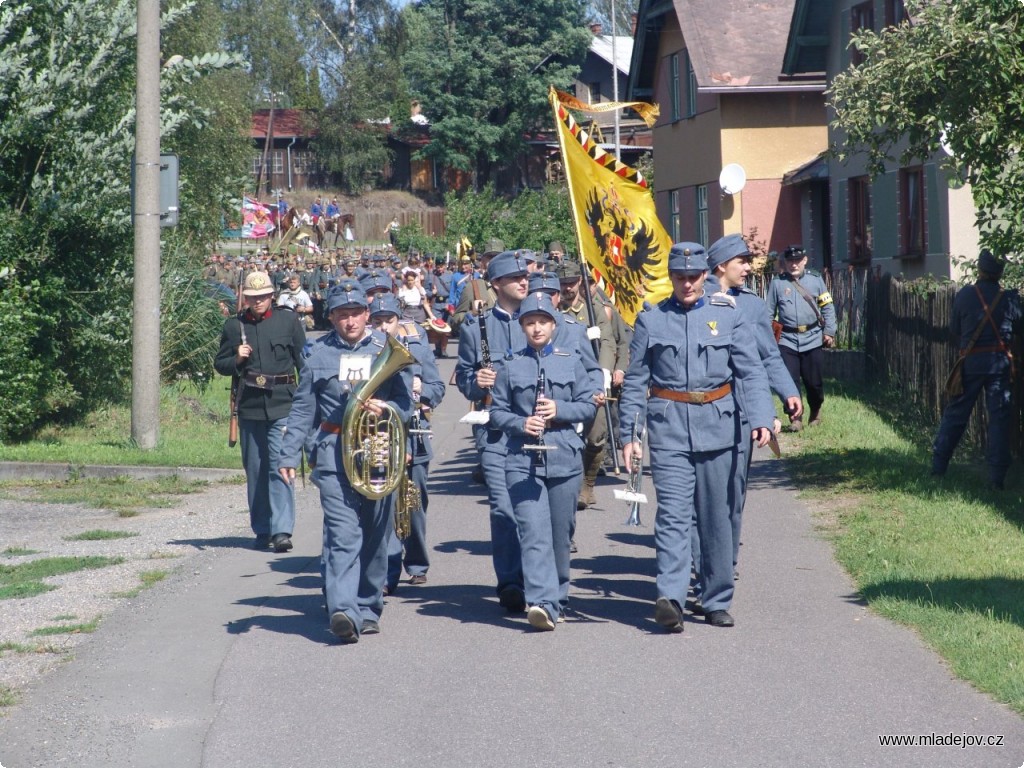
x,y
810,300
988,318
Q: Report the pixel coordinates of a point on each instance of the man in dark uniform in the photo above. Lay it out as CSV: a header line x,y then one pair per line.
x,y
354,560
686,356
800,301
982,323
263,347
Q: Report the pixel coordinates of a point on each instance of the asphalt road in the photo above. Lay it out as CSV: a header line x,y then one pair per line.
x,y
230,663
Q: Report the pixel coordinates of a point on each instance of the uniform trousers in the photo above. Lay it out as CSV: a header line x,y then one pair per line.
x,y
695,489
807,366
505,552
996,386
416,560
271,499
354,562
544,510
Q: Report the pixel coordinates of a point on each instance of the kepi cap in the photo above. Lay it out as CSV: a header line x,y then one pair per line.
x,y
726,248
687,257
493,248
537,302
346,294
507,264
546,282
385,304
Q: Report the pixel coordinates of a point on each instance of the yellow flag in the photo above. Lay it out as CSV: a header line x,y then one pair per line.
x,y
617,229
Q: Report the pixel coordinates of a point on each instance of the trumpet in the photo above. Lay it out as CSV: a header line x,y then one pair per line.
x,y
632,493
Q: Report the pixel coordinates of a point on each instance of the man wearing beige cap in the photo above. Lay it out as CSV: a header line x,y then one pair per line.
x,y
262,346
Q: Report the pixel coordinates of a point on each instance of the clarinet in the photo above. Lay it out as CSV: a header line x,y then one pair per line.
x,y
539,448
485,353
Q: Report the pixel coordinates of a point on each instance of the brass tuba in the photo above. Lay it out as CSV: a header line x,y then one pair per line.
x,y
373,448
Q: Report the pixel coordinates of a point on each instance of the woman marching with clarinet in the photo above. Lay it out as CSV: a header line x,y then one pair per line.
x,y
539,397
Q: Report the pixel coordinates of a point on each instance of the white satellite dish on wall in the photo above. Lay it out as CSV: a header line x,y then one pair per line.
x,y
732,179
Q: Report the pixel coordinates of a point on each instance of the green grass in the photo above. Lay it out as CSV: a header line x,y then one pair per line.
x,y
193,433
26,579
19,552
100,534
123,494
148,579
67,629
942,555
8,698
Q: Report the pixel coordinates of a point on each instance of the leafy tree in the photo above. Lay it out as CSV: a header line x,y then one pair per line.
x,y
481,69
956,70
67,85
530,220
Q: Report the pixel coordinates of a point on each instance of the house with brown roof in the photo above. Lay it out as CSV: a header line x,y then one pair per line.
x,y
288,161
715,70
908,220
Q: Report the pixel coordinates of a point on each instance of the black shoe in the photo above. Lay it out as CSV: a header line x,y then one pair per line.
x,y
478,476
719,619
343,627
281,542
512,599
695,607
668,614
387,591
262,541
370,627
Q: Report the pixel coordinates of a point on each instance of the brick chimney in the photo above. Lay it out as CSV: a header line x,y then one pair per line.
x,y
596,28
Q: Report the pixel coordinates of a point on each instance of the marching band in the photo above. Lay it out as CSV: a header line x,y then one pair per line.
x,y
556,381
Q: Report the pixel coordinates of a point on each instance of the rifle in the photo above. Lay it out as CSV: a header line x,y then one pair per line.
x,y
585,288
236,395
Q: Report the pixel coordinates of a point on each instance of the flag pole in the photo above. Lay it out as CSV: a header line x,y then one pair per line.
x,y
553,99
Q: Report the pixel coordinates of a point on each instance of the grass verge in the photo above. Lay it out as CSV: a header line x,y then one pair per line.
x,y
123,494
19,552
193,433
148,579
944,556
100,534
85,627
26,579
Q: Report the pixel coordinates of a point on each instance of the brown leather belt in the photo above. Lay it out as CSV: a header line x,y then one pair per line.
x,y
267,380
334,429
697,398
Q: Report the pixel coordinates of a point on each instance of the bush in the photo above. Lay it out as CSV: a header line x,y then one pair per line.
x,y
532,219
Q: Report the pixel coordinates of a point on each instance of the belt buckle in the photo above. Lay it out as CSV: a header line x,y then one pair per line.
x,y
261,380
698,397
801,329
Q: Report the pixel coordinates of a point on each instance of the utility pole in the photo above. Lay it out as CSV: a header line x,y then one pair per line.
x,y
146,292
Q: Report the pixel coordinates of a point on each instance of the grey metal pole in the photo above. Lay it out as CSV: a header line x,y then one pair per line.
x,y
146,295
615,86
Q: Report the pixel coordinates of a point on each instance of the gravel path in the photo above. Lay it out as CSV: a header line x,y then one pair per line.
x,y
167,539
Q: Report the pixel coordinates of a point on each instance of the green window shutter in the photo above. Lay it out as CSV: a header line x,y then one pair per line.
x,y
935,212
840,222
885,227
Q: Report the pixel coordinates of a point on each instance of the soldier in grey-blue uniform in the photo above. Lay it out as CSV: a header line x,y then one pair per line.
x,y
475,377
428,391
354,562
728,267
685,359
987,367
800,301
543,485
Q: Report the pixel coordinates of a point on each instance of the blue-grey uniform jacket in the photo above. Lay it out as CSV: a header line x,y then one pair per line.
x,y
571,336
755,313
515,394
695,349
504,337
788,306
431,391
322,394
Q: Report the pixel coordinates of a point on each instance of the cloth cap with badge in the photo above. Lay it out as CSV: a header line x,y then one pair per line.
x,y
346,294
537,302
687,257
726,248
545,282
375,281
507,264
385,304
258,284
989,264
569,272
794,253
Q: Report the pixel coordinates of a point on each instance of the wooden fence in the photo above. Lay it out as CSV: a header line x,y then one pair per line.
x,y
910,351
